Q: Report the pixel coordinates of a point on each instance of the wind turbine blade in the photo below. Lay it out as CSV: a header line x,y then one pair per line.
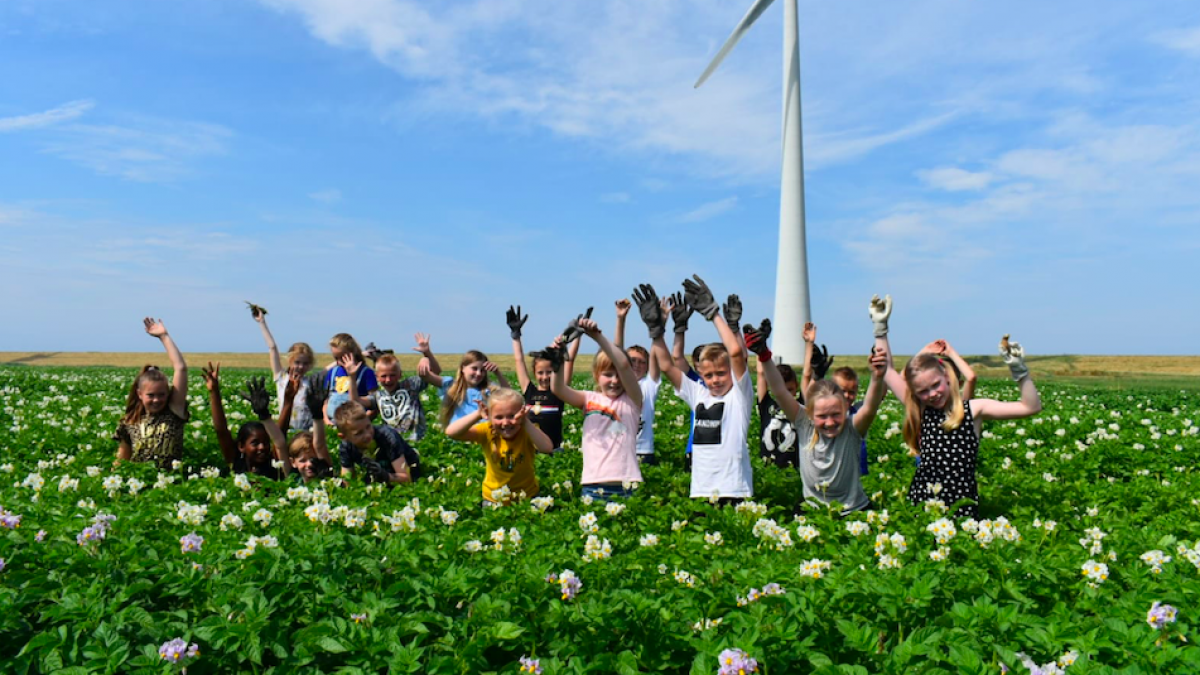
x,y
752,15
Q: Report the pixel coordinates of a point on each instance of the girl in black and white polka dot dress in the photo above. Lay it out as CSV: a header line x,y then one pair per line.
x,y
940,425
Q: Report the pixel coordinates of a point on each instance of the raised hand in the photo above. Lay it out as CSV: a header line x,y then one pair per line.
x,y
700,297
515,321
821,362
756,339
1014,357
259,313
935,347
490,367
318,393
732,310
295,379
651,311
347,361
588,326
257,396
573,330
422,340
556,355
423,369
212,376
370,352
810,332
877,363
681,311
623,306
155,327
880,311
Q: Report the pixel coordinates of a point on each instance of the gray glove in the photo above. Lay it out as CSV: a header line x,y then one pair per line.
x,y
647,302
700,297
681,311
1014,357
879,311
515,321
732,309
573,330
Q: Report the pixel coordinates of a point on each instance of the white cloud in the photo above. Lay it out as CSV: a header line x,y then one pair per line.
x,y
1186,40
707,211
63,113
144,149
326,196
954,179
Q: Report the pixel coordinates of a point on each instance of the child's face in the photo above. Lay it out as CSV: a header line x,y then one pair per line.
x,y
542,373
153,394
792,387
303,362
506,418
639,363
257,448
610,383
389,376
849,388
358,432
475,374
304,465
931,388
337,354
716,376
829,416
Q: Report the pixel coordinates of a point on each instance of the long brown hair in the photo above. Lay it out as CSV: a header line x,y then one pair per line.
x,y
458,389
913,408
133,405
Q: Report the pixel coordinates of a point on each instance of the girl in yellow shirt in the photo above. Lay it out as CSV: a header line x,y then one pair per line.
x,y
509,440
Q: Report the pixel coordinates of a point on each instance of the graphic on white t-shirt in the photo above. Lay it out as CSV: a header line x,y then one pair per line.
x,y
708,424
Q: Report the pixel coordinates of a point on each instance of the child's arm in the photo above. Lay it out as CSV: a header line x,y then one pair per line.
x,y
756,342
463,428
619,332
212,380
654,315
315,397
810,338
681,311
732,311
515,322
260,315
558,384
760,384
572,354
279,440
541,442
500,378
620,361
968,373
352,367
428,368
701,298
875,393
259,398
1030,403
880,311
295,377
178,402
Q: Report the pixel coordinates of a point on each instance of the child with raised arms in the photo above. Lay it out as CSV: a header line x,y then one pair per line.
x,y
545,410
300,359
647,372
462,392
347,357
258,445
379,450
611,414
398,399
829,437
723,404
155,411
509,439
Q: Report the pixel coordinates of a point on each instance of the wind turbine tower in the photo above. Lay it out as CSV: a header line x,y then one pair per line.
x,y
792,306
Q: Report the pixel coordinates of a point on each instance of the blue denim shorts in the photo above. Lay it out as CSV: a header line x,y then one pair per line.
x,y
604,492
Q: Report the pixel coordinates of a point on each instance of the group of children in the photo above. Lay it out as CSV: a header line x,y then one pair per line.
x,y
814,425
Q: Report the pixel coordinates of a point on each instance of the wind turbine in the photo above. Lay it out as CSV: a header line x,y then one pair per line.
x,y
792,306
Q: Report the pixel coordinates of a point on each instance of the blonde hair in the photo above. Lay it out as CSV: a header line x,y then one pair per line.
x,y
349,412
914,408
301,349
302,445
820,389
387,360
345,342
714,352
502,395
134,409
603,363
457,392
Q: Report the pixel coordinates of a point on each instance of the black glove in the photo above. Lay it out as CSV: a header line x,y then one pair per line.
x,y
321,468
681,311
573,330
756,339
515,321
647,303
732,309
317,394
372,352
821,361
255,310
257,396
555,354
700,297
373,472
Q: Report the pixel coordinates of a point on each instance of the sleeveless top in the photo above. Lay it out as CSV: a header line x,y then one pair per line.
x,y
948,458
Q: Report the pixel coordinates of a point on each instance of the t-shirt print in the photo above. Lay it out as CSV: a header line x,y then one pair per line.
x,y
595,407
708,424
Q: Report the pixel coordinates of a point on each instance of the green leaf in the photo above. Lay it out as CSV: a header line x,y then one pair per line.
x,y
507,630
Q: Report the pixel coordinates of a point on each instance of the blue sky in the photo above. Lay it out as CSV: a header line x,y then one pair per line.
x,y
384,166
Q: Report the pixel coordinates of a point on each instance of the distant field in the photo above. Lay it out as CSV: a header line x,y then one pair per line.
x,y
1116,371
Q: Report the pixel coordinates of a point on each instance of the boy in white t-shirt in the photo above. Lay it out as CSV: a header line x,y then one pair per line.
x,y
647,372
722,404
